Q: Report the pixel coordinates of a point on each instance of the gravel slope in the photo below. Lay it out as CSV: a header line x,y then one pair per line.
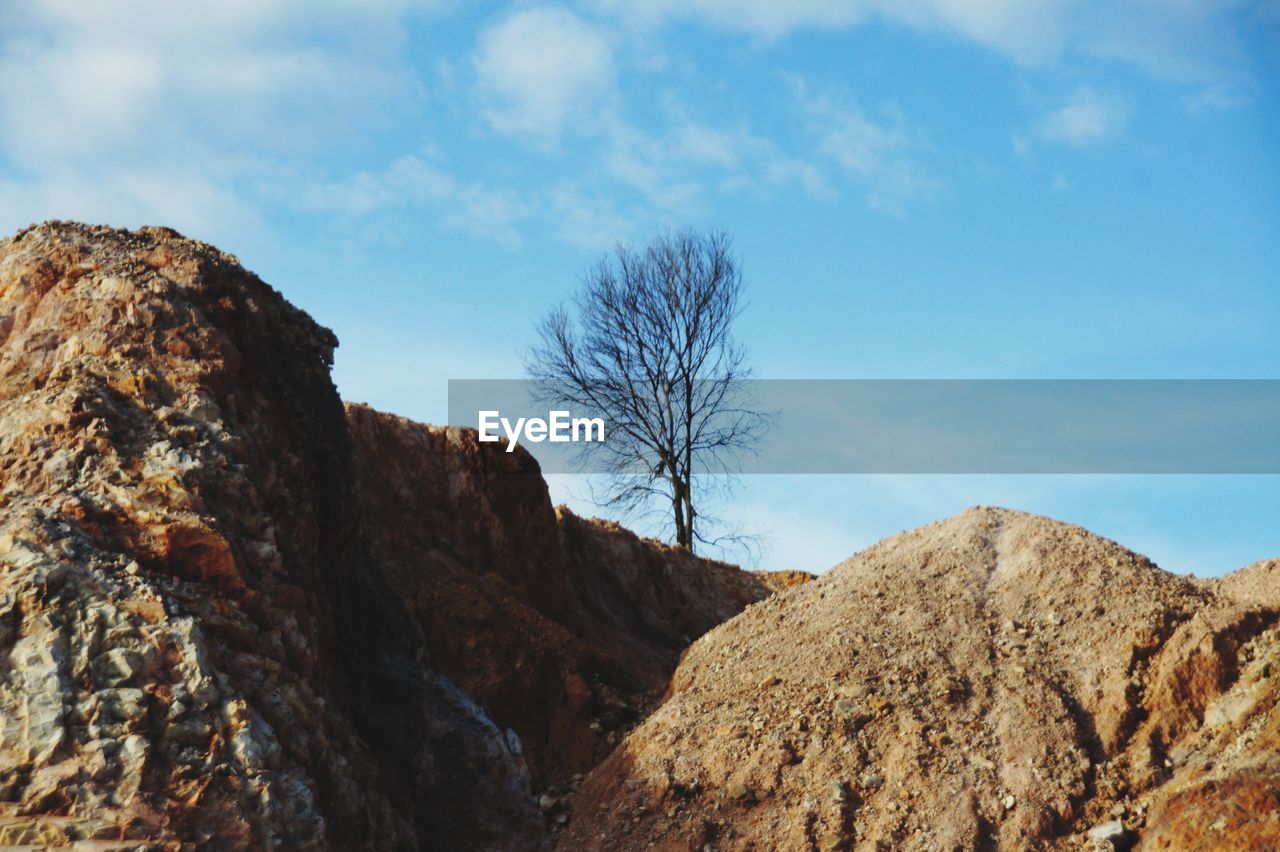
x,y
995,679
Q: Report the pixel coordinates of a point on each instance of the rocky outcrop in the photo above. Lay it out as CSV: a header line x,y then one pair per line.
x,y
994,680
565,630
235,615
225,624
195,644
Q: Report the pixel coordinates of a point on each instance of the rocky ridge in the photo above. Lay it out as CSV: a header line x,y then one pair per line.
x,y
235,615
565,629
206,638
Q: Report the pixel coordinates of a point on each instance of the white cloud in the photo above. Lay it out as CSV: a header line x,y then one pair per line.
x,y
1187,39
588,220
410,183
875,154
708,146
1087,117
133,196
670,169
141,111
1219,98
541,70
759,17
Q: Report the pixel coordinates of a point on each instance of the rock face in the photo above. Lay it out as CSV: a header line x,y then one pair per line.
x,y
994,680
235,615
195,644
224,623
565,630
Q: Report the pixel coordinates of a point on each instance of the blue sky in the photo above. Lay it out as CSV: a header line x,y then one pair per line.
x,y
921,188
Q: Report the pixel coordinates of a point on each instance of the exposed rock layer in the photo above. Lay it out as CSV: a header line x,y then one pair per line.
x,y
194,643
224,622
997,679
210,635
566,630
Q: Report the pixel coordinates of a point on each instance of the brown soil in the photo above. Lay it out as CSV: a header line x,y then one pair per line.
x,y
997,679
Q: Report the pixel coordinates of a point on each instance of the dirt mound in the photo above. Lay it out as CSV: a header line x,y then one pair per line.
x,y
994,679
195,644
565,630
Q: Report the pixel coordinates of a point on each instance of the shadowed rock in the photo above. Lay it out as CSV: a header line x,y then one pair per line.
x,y
224,623
195,644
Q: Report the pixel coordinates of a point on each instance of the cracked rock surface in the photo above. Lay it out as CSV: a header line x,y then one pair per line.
x,y
565,629
196,644
234,614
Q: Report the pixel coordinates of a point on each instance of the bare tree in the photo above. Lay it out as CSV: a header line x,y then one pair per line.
x,y
648,346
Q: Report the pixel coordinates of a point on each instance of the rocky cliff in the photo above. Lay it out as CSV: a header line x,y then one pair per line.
x,y
566,630
994,680
234,614
195,644
217,628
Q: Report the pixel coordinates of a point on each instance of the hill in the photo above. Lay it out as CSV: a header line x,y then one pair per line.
x,y
235,615
997,679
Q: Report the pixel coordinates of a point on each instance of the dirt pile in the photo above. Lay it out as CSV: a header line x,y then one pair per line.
x,y
565,630
996,679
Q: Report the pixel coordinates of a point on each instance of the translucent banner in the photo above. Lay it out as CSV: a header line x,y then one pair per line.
x,y
914,426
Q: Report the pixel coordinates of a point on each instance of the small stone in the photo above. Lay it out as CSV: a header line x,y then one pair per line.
x,y
1009,802
513,742
836,790
740,792
829,841
1112,832
872,781
116,667
852,710
855,691
547,802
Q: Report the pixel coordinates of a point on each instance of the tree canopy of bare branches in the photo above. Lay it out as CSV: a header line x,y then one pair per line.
x,y
647,343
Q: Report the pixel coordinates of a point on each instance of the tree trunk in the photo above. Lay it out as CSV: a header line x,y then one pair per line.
x,y
688,514
683,533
